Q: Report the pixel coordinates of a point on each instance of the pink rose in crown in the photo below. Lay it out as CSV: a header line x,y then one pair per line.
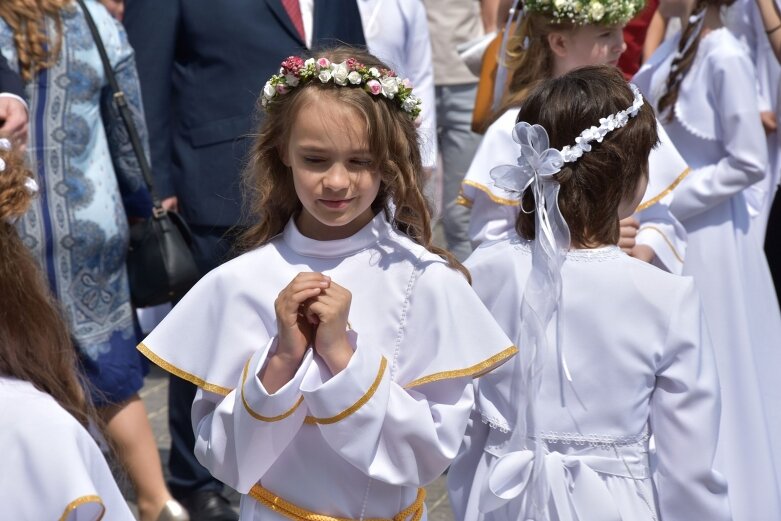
x,y
407,84
374,87
352,64
282,89
323,63
293,64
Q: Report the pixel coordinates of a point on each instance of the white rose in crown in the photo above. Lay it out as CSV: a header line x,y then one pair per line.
x,y
390,86
269,90
410,103
597,11
291,80
339,71
374,73
354,77
324,76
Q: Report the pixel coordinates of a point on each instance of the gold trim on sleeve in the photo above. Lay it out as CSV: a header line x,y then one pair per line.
x,y
260,416
663,193
311,420
463,200
669,243
76,503
474,371
494,198
181,373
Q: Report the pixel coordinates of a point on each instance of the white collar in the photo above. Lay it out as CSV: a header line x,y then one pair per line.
x,y
361,240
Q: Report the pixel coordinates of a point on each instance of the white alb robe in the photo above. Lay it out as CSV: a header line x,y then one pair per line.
x,y
494,211
716,128
397,33
50,467
357,444
641,363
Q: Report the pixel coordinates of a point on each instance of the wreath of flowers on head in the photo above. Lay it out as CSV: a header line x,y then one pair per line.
x,y
349,73
582,12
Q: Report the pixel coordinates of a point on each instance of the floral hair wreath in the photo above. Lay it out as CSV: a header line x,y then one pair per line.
x,y
582,12
29,184
377,82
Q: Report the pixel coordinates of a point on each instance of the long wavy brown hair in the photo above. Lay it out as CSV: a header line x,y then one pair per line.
x,y
268,183
34,342
687,51
36,48
529,57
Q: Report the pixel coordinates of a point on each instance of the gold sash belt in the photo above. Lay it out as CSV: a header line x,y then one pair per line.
x,y
414,512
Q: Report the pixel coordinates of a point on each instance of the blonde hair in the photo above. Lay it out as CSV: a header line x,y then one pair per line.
x,y
268,185
27,18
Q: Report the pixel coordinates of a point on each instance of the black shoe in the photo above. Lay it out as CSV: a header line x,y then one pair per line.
x,y
208,505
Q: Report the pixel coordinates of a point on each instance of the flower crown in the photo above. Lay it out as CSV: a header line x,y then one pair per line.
x,y
377,82
29,184
582,12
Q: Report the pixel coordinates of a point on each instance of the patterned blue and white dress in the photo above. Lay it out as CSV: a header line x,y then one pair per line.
x,y
90,182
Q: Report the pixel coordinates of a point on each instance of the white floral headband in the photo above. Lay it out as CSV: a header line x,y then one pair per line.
x,y
377,82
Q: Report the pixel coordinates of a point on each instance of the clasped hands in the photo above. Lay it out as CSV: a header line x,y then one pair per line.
x,y
311,310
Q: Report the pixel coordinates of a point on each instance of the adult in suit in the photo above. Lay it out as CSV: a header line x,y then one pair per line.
x,y
202,66
13,109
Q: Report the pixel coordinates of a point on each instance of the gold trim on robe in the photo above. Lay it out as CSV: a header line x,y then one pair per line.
x,y
184,375
491,195
474,371
647,204
260,416
76,503
666,240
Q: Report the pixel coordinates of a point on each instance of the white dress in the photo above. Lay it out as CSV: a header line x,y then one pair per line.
x,y
641,363
495,211
717,130
51,468
397,32
355,445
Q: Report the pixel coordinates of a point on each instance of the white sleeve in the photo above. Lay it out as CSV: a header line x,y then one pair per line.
x,y
490,221
408,437
685,411
421,73
239,436
742,137
664,234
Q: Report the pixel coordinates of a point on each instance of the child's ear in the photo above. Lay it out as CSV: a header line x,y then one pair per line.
x,y
559,44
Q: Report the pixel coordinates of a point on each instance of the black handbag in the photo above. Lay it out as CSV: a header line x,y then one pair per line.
x,y
160,264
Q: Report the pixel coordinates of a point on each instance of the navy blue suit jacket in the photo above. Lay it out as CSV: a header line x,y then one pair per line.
x,y
202,65
9,80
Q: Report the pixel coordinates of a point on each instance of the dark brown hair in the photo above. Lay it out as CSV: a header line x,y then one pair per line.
x,y
268,183
34,342
683,62
27,19
593,187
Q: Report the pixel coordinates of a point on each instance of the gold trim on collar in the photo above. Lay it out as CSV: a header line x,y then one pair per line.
x,y
669,243
474,371
260,416
76,503
663,193
311,420
181,373
494,198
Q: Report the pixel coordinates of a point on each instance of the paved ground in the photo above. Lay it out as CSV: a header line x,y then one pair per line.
x,y
155,394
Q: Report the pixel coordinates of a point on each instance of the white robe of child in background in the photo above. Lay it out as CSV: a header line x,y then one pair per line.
x,y
717,129
494,211
51,466
641,363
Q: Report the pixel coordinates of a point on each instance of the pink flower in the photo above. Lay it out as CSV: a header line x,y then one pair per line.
x,y
353,64
407,84
293,64
323,63
282,89
374,87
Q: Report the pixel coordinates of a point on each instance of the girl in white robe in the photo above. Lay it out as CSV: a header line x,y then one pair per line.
x,y
563,47
50,467
335,358
625,355
703,84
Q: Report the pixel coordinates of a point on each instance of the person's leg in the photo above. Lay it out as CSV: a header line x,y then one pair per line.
x,y
129,432
458,145
190,482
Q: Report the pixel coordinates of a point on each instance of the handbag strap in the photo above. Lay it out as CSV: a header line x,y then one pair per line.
x,y
124,111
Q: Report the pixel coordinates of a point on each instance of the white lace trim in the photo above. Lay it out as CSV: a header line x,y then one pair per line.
x,y
602,441
579,255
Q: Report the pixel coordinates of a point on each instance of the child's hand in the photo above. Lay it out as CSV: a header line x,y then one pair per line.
x,y
295,333
769,123
328,312
629,227
644,253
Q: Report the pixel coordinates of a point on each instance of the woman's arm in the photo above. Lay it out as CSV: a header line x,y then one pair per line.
x,y
771,18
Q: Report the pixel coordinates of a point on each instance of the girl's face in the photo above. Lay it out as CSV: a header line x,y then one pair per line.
x,y
333,171
587,45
